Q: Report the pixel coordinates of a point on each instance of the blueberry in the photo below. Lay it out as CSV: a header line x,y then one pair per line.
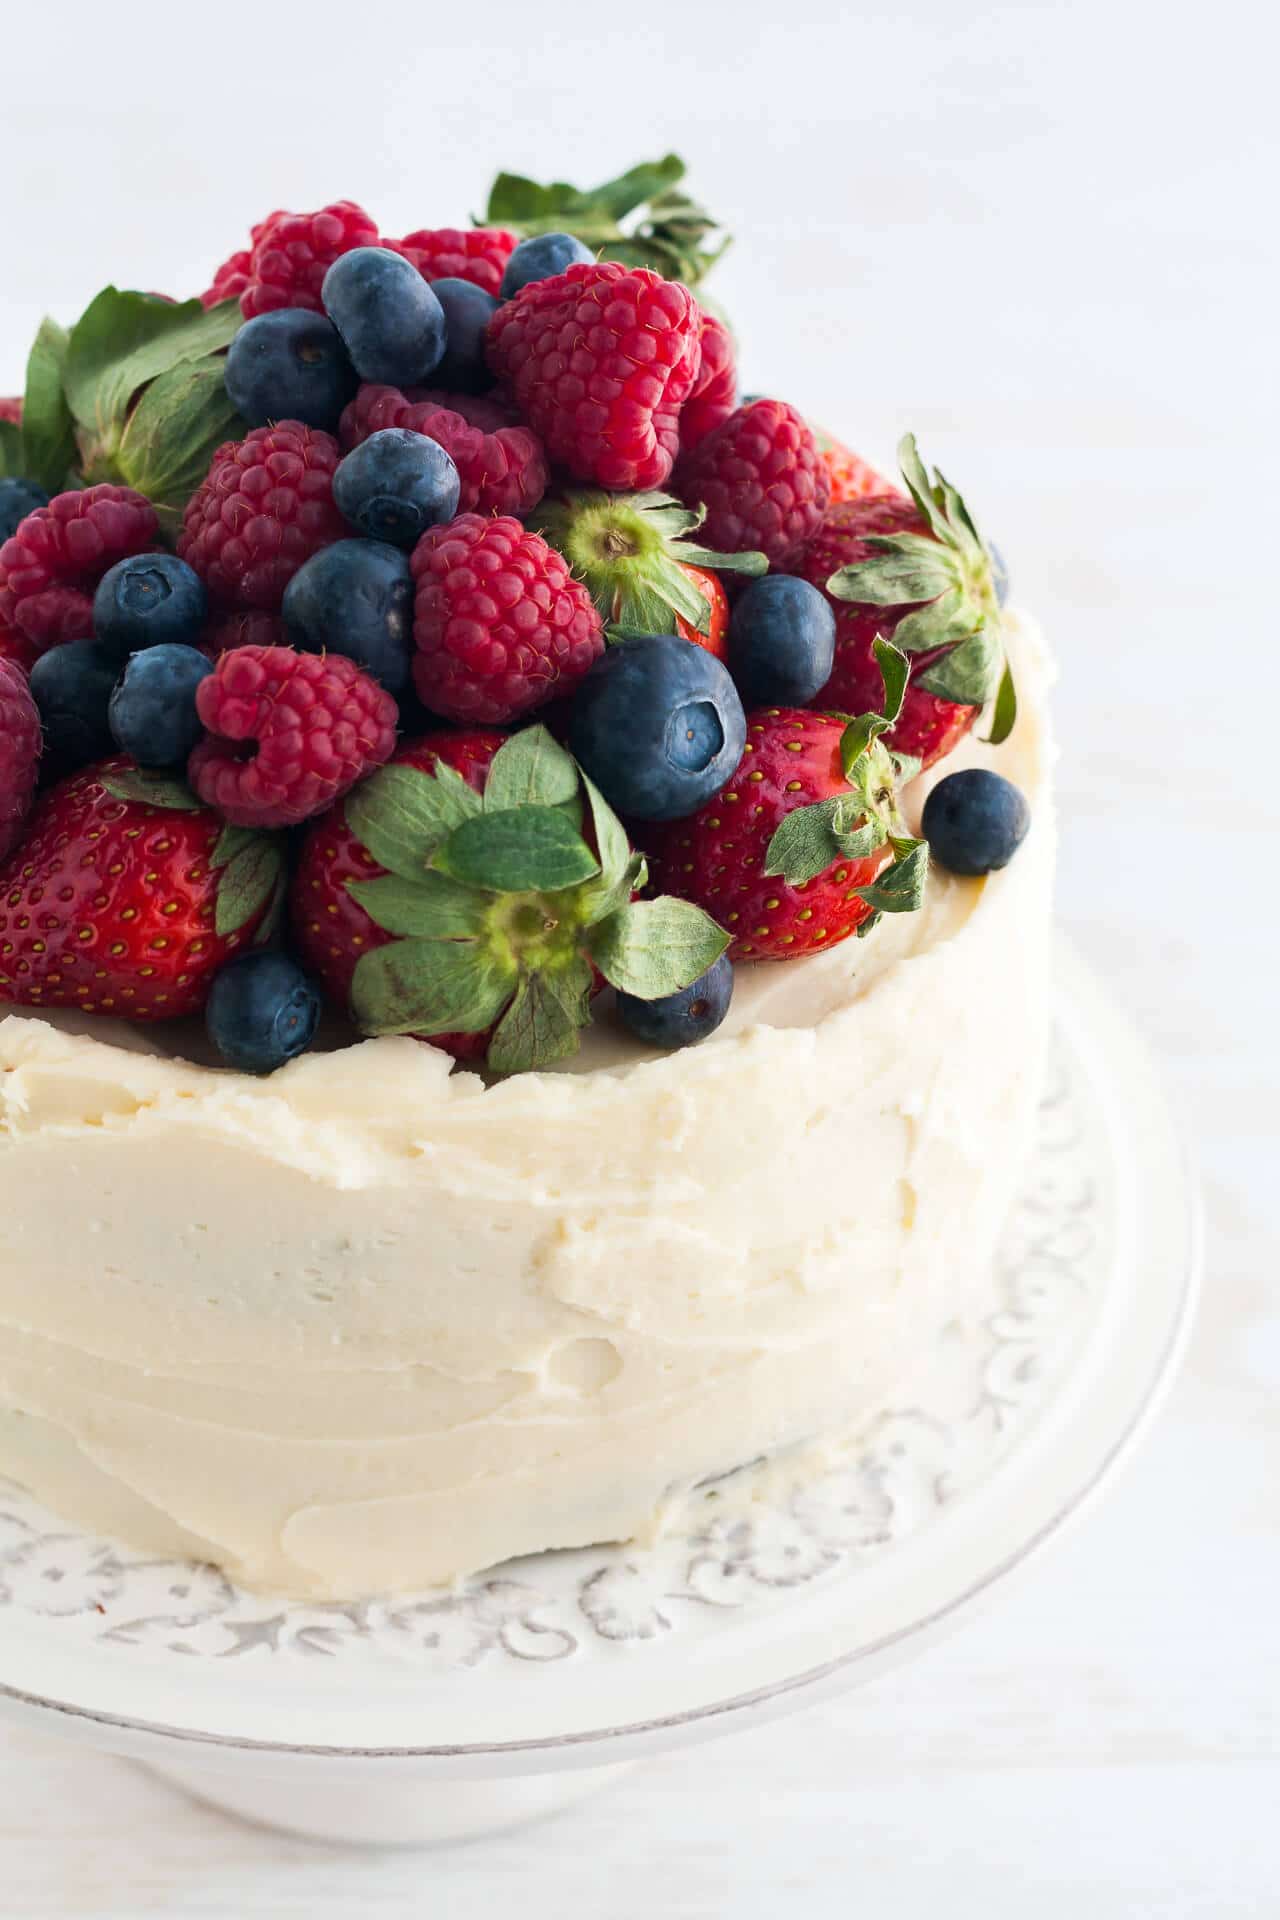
x,y
72,687
150,600
18,498
658,725
289,365
541,259
395,485
391,323
263,1010
467,313
975,821
356,598
782,642
681,1019
153,709
999,574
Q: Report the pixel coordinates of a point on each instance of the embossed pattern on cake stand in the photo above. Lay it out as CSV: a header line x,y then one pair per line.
x,y
441,1716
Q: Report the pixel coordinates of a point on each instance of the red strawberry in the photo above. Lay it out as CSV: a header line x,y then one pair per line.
x,y
601,359
715,392
914,570
478,254
787,855
852,477
759,480
20,746
126,896
643,571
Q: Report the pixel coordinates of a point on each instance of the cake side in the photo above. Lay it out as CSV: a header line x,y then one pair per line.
x,y
368,1324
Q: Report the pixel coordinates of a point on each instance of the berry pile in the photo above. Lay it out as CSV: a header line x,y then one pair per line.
x,y
399,545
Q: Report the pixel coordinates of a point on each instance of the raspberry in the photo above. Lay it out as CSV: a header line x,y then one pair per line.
x,y
318,724
231,630
715,391
501,466
11,410
292,252
500,625
601,359
448,253
49,568
19,754
265,506
234,274
852,477
761,479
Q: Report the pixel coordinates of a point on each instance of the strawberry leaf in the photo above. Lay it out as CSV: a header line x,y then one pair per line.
x,y
1004,714
182,417
900,888
543,1022
429,907
804,844
163,790
48,431
251,880
650,948
400,815
968,673
124,340
530,769
13,460
430,986
859,734
524,849
621,871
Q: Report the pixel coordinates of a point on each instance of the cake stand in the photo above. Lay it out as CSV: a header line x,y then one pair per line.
x,y
449,1714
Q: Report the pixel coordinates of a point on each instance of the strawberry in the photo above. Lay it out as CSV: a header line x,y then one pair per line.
x,y
643,572
791,855
914,569
461,896
852,477
126,896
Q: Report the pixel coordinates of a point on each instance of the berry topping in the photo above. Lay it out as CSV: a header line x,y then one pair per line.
x,y
681,1019
355,598
18,498
601,359
541,259
19,754
150,600
265,507
715,391
852,477
467,313
975,821
127,897
292,252
782,641
72,688
290,732
659,727
263,1011
760,480
152,713
51,565
499,625
289,365
477,255
395,485
391,323
501,465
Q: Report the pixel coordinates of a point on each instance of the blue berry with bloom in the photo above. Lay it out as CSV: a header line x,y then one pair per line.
x,y
152,714
262,1012
681,1019
975,821
289,365
149,600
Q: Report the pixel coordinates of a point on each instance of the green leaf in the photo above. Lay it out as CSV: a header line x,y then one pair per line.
x,y
430,986
517,201
913,472
48,431
654,947
969,673
400,815
895,670
230,842
250,881
543,1022
621,871
171,435
13,459
751,564
1005,712
530,769
428,907
163,790
124,340
804,844
525,849
900,888
904,568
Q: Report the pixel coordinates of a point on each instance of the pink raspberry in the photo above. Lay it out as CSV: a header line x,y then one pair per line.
x,y
289,734
499,623
715,392
501,465
20,744
762,480
477,254
601,359
234,274
51,565
292,252
265,506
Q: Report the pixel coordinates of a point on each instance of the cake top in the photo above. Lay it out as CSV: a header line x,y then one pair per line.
x,y
428,628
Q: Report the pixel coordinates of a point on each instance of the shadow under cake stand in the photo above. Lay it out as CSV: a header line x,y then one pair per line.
x,y
439,1717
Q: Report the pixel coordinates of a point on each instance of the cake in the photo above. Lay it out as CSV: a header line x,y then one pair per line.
x,y
647,1170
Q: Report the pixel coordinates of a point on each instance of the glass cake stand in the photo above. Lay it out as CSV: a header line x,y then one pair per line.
x,y
442,1716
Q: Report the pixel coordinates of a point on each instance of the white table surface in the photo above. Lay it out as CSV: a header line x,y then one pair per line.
x,y
1043,237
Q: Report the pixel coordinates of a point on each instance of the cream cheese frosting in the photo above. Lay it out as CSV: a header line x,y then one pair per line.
x,y
371,1324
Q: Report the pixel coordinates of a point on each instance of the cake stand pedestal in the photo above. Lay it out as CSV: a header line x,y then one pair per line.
x,y
442,1716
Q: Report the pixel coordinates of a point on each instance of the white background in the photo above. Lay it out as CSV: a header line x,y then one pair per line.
x,y
1044,237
